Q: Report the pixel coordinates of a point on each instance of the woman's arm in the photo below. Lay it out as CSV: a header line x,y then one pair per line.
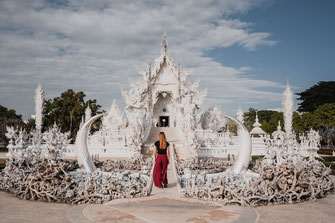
x,y
155,152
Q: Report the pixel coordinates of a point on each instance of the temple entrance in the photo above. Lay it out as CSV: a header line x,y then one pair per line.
x,y
164,121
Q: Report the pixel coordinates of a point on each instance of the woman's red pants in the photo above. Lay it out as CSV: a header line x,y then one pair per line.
x,y
160,170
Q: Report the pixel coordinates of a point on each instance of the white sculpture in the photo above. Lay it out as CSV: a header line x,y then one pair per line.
x,y
288,110
18,141
114,120
243,157
39,100
83,156
88,113
213,119
239,114
55,142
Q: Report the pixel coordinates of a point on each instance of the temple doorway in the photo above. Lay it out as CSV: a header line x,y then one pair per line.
x,y
164,121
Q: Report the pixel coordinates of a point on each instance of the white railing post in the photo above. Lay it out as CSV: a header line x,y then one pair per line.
x,y
173,163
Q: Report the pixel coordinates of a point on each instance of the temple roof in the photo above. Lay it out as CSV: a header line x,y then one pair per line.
x,y
164,59
136,97
257,128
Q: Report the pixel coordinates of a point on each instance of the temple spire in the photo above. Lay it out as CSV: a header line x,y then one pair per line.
x,y
164,45
288,110
279,126
39,101
257,124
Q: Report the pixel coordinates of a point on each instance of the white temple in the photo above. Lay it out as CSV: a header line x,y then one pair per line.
x,y
163,100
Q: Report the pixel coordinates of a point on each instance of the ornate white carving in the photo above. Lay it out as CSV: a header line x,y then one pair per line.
x,y
288,110
114,120
18,141
213,119
39,100
54,142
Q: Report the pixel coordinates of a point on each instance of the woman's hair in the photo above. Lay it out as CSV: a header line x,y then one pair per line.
x,y
162,140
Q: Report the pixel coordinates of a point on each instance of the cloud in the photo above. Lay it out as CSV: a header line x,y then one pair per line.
x,y
97,46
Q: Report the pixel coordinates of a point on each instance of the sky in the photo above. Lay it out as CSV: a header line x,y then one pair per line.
x,y
242,51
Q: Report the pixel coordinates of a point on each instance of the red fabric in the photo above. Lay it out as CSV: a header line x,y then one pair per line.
x,y
160,170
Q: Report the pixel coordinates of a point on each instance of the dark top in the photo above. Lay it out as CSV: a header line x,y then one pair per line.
x,y
159,150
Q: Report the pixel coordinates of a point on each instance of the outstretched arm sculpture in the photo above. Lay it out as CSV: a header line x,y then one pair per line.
x,y
243,157
83,156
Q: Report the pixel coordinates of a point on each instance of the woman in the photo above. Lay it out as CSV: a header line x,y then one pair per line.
x,y
162,156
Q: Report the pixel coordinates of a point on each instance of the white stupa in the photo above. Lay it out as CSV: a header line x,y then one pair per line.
x,y
258,139
257,130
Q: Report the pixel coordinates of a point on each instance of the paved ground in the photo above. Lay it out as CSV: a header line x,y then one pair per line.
x,y
321,211
14,210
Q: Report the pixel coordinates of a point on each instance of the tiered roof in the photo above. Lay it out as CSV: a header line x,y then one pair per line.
x,y
257,130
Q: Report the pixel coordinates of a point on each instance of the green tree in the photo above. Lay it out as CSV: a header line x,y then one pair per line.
x,y
30,124
268,118
249,118
324,116
319,94
67,111
8,117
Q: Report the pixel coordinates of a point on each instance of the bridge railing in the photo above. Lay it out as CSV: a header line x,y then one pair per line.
x,y
174,168
151,179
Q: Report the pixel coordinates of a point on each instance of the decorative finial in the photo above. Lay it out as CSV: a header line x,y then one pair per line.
x,y
257,124
164,44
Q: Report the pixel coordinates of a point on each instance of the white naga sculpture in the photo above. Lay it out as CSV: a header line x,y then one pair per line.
x,y
83,156
243,157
